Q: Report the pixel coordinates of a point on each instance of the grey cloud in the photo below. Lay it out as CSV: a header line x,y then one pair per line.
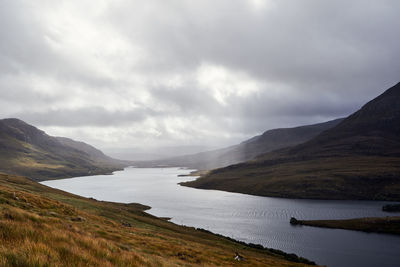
x,y
25,50
303,43
188,100
314,60
348,48
91,116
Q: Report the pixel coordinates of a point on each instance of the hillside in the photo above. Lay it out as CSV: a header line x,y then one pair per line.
x,y
26,150
247,150
357,159
41,226
93,152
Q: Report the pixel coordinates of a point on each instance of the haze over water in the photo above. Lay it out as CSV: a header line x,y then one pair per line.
x,y
252,219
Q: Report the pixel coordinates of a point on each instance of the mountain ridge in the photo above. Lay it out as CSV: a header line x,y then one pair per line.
x,y
357,159
29,151
246,150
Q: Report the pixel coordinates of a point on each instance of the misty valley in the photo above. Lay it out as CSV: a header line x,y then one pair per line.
x,y
324,193
254,133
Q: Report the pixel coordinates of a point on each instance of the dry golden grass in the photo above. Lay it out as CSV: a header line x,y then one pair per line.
x,y
31,163
40,226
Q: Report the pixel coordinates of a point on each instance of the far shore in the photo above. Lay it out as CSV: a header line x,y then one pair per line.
x,y
386,225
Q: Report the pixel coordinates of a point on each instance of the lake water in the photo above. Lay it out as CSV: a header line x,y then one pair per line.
x,y
253,219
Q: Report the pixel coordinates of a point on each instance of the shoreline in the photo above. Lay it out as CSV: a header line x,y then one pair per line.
x,y
127,228
193,184
177,223
86,174
379,225
145,208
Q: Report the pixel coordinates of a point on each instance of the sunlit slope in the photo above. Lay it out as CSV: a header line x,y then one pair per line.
x,y
357,159
41,226
26,150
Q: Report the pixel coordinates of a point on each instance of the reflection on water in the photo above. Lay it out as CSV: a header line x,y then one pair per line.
x,y
253,219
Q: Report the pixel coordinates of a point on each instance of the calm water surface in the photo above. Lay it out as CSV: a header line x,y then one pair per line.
x,y
253,219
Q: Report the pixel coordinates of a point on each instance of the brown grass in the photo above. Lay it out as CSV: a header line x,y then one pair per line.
x,y
30,163
40,226
358,177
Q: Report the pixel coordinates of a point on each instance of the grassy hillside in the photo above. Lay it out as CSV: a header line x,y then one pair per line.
x,y
368,178
41,226
26,150
247,150
357,159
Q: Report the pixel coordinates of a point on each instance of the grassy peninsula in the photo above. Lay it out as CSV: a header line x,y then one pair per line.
x,y
387,225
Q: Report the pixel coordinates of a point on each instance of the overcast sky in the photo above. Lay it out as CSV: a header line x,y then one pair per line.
x,y
123,73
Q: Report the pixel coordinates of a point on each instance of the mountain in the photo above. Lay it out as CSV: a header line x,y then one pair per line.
x,y
247,150
357,159
26,150
94,153
373,130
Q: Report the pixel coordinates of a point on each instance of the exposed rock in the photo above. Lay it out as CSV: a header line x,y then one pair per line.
x,y
126,224
238,257
52,213
15,196
8,216
78,219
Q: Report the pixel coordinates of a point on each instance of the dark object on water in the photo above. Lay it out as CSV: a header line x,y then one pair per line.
x,y
294,221
391,208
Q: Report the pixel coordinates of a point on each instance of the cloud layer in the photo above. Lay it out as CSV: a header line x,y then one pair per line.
x,y
156,73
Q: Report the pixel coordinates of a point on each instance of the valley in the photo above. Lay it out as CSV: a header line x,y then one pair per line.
x,y
199,133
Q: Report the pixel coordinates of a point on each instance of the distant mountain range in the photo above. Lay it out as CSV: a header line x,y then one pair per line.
x,y
139,153
26,150
357,159
247,150
353,158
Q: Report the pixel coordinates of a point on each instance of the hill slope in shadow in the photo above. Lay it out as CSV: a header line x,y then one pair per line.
x,y
357,159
